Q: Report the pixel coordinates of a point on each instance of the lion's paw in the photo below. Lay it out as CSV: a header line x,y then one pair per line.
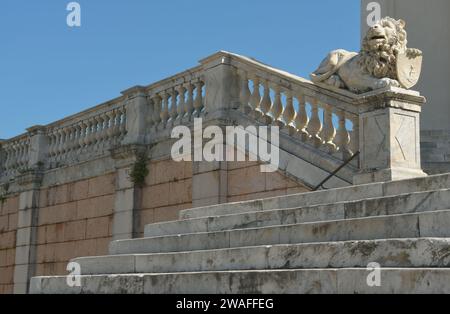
x,y
385,82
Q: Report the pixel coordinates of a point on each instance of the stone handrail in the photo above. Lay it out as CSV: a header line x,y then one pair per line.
x,y
316,115
14,155
330,121
85,136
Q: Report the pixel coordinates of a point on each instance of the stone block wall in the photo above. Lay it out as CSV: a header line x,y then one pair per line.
x,y
167,190
247,182
435,151
75,219
8,226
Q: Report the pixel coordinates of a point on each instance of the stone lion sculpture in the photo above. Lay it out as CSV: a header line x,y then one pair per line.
x,y
384,60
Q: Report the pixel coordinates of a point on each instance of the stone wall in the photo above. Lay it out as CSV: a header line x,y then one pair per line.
x,y
168,190
8,227
247,182
435,150
75,219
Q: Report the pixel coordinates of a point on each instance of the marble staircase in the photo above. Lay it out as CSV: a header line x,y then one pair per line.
x,y
317,242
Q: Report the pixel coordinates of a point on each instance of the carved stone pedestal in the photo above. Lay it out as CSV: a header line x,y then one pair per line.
x,y
389,135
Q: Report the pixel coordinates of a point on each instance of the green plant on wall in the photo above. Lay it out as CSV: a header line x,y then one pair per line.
x,y
139,171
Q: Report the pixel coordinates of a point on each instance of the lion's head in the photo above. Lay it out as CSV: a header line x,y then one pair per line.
x,y
380,47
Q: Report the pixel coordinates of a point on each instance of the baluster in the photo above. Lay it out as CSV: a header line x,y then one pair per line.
x,y
181,104
301,120
76,141
98,122
110,128
329,131
82,138
7,158
289,114
315,125
94,132
103,129
255,99
10,157
116,124
88,137
25,157
266,104
123,125
59,144
198,102
343,136
66,142
22,155
189,102
277,108
69,142
16,155
19,155
174,104
165,109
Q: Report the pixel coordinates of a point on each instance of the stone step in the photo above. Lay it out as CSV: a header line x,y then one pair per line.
x,y
298,281
352,193
424,252
406,203
428,224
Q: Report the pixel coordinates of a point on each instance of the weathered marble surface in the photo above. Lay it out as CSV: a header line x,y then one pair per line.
x,y
384,61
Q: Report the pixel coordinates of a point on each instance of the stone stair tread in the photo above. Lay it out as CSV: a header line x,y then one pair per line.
x,y
411,252
430,224
352,193
405,203
328,280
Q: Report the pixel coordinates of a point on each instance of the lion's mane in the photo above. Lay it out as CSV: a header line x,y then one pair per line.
x,y
379,59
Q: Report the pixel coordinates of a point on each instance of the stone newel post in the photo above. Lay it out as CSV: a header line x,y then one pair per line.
x,y
38,146
137,108
222,83
389,135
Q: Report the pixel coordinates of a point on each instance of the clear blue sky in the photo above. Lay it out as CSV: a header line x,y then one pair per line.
x,y
48,70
